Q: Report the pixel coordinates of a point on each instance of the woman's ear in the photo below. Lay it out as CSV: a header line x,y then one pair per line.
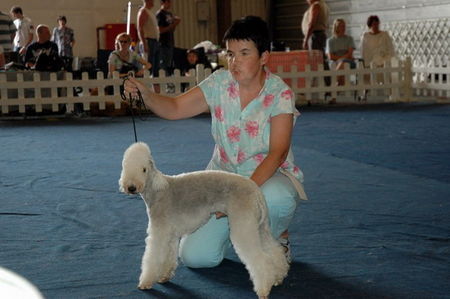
x,y
265,57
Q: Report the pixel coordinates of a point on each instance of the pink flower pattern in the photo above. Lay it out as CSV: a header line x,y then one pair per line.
x,y
268,100
239,134
218,113
223,155
241,156
258,158
234,134
232,91
287,94
252,128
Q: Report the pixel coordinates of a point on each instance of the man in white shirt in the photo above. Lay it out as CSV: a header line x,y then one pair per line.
x,y
24,33
148,32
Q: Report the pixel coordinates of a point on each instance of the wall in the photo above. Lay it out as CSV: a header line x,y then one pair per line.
x,y
84,16
241,8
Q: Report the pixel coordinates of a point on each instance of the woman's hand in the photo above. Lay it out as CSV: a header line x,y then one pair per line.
x,y
133,85
220,215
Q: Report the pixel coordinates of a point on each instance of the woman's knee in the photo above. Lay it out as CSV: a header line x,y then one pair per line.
x,y
279,190
281,198
197,258
206,247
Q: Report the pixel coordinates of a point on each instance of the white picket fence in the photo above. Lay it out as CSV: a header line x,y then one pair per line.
x,y
43,91
432,82
362,85
397,81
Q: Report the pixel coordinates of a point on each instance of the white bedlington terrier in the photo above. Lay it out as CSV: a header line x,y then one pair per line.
x,y
178,205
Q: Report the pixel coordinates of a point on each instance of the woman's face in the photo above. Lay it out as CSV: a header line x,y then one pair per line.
x,y
192,58
123,42
375,26
244,61
340,30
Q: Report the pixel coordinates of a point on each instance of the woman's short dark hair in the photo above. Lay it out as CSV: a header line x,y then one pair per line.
x,y
371,20
62,18
250,28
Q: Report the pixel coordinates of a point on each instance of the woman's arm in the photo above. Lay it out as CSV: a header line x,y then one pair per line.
x,y
111,69
186,105
390,45
145,66
279,144
349,54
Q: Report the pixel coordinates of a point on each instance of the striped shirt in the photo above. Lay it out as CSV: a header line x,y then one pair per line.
x,y
6,29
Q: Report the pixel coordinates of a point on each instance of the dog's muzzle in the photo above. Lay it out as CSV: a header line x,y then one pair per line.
x,y
131,189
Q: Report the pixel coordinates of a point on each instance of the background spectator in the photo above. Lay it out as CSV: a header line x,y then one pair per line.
x,y
124,60
7,32
167,24
376,45
314,25
194,57
64,38
340,48
148,33
42,55
24,33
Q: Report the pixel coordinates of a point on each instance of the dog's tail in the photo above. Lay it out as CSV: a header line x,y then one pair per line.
x,y
262,207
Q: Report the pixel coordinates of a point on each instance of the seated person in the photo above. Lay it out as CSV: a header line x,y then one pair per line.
x,y
194,57
340,48
2,57
42,55
376,45
123,60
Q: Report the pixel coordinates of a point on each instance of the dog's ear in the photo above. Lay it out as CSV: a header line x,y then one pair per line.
x,y
159,182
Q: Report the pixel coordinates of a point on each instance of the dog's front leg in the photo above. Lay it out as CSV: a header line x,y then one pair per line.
x,y
152,260
171,259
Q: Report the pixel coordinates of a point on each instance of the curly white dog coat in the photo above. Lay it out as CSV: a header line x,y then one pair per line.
x,y
179,205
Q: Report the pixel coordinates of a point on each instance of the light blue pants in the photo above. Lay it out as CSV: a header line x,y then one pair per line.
x,y
208,246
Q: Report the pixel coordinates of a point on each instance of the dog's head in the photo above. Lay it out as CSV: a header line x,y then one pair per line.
x,y
136,164
138,168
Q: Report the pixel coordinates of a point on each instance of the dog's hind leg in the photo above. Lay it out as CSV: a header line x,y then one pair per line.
x,y
274,252
245,236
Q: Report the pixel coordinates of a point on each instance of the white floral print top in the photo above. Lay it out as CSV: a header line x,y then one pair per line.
x,y
242,136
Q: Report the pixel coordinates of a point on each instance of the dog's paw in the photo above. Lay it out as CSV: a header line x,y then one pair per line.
x,y
168,276
144,286
164,279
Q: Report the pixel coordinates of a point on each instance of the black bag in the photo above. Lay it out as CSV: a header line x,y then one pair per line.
x,y
48,63
126,66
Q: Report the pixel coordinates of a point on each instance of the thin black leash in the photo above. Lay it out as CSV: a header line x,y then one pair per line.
x,y
137,101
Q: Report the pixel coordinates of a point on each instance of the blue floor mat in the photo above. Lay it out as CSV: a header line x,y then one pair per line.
x,y
377,223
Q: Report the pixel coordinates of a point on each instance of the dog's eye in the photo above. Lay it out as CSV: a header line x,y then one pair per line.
x,y
144,170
